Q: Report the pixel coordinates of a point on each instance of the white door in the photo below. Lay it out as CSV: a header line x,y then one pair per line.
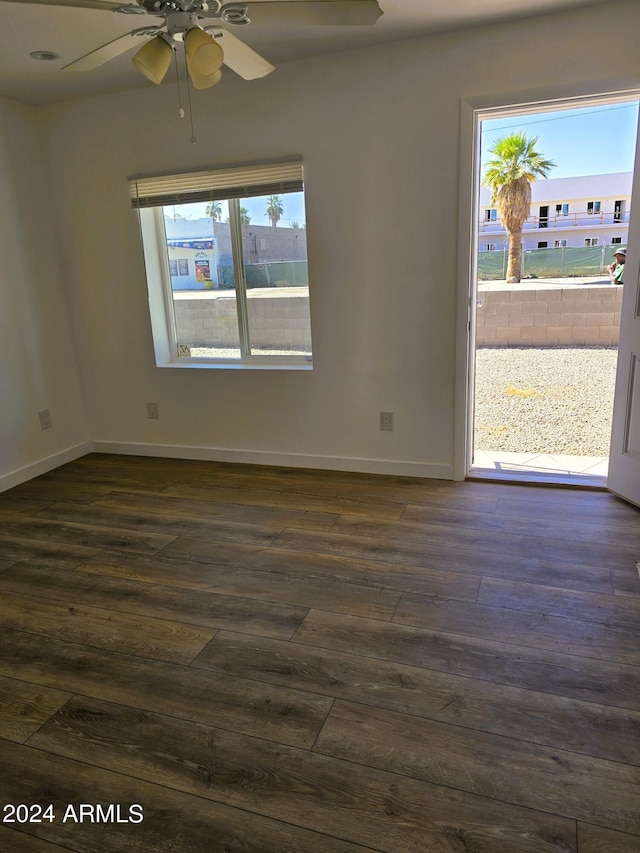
x,y
624,458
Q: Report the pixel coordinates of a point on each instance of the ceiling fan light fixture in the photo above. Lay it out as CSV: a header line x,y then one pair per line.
x,y
154,58
204,54
204,81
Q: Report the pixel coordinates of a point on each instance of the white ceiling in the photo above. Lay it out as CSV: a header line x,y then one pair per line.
x,y
73,32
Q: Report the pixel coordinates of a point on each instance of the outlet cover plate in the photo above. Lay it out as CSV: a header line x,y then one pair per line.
x,y
386,421
45,419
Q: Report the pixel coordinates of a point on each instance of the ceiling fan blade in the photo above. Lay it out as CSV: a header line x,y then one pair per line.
x,y
104,5
322,12
239,57
107,51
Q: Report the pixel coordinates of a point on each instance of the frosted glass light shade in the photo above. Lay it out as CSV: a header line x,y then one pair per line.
x,y
204,81
204,54
153,59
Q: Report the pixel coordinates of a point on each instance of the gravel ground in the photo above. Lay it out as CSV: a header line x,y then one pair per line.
x,y
234,352
547,400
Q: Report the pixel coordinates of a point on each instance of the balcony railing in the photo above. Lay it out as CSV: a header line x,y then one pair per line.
x,y
570,220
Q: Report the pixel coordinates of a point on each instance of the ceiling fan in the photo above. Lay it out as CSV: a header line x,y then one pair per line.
x,y
202,26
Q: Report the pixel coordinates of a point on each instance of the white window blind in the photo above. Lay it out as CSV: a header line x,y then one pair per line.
x,y
216,184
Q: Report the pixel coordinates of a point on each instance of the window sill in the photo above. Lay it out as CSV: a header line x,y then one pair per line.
x,y
253,364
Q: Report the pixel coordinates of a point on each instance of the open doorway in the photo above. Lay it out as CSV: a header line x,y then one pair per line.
x,y
546,312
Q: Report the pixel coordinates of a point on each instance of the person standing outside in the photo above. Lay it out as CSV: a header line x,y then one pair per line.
x,y
616,269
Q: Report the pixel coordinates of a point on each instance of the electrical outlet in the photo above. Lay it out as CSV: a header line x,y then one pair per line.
x,y
45,419
386,421
152,411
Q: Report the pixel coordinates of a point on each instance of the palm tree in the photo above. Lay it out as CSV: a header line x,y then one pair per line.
x,y
515,166
245,219
214,210
275,209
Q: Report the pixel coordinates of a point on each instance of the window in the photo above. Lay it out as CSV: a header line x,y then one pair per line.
x,y
593,207
542,244
615,241
591,241
543,221
490,247
178,266
562,209
491,214
226,261
559,244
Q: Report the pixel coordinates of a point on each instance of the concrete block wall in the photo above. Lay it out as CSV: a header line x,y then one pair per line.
x,y
274,320
572,315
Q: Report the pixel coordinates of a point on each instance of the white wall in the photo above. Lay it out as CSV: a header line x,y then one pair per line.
x,y
379,132
38,365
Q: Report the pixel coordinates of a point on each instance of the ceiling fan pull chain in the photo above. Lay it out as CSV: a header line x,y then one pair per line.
x,y
194,138
180,108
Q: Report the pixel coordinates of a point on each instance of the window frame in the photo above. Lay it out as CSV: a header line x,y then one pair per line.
x,y
160,289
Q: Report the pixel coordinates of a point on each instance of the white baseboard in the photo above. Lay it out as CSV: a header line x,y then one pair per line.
x,y
15,478
286,460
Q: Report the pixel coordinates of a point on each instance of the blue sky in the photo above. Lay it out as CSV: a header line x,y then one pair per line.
x,y
587,141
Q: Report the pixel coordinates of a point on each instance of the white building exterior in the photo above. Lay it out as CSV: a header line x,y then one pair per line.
x,y
573,212
193,255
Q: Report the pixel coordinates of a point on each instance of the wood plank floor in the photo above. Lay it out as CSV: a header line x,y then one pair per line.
x,y
238,659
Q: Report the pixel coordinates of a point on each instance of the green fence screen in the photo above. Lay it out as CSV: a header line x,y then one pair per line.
x,y
548,263
272,274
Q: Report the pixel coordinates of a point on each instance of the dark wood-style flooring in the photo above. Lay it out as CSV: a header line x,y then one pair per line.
x,y
280,661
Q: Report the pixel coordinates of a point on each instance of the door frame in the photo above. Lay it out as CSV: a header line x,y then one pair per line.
x,y
472,111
